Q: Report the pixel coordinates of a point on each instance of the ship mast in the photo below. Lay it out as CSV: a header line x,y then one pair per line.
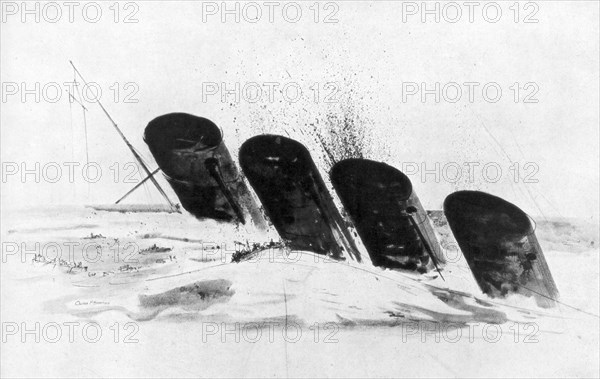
x,y
135,154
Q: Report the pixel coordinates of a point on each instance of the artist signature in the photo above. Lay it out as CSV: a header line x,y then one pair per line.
x,y
91,302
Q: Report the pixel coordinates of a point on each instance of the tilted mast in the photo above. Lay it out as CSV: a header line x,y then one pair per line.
x,y
135,154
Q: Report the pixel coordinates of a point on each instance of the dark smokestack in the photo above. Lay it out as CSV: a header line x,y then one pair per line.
x,y
499,243
387,214
194,159
295,198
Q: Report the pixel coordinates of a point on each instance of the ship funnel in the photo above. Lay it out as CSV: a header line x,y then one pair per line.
x,y
499,243
195,161
295,198
387,214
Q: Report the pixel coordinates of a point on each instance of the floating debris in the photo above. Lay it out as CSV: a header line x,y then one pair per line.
x,y
128,268
93,236
247,250
155,249
39,258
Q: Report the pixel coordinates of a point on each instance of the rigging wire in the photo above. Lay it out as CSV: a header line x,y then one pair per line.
x,y
74,189
71,123
131,148
84,110
511,162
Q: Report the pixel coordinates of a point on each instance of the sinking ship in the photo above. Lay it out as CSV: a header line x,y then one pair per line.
x,y
378,201
383,212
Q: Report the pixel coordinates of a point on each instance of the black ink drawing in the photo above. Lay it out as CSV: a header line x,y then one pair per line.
x,y
291,239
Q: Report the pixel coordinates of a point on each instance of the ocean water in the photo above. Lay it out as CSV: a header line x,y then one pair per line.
x,y
167,300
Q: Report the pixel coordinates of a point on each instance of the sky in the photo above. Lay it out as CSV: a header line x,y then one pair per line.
x,y
515,101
